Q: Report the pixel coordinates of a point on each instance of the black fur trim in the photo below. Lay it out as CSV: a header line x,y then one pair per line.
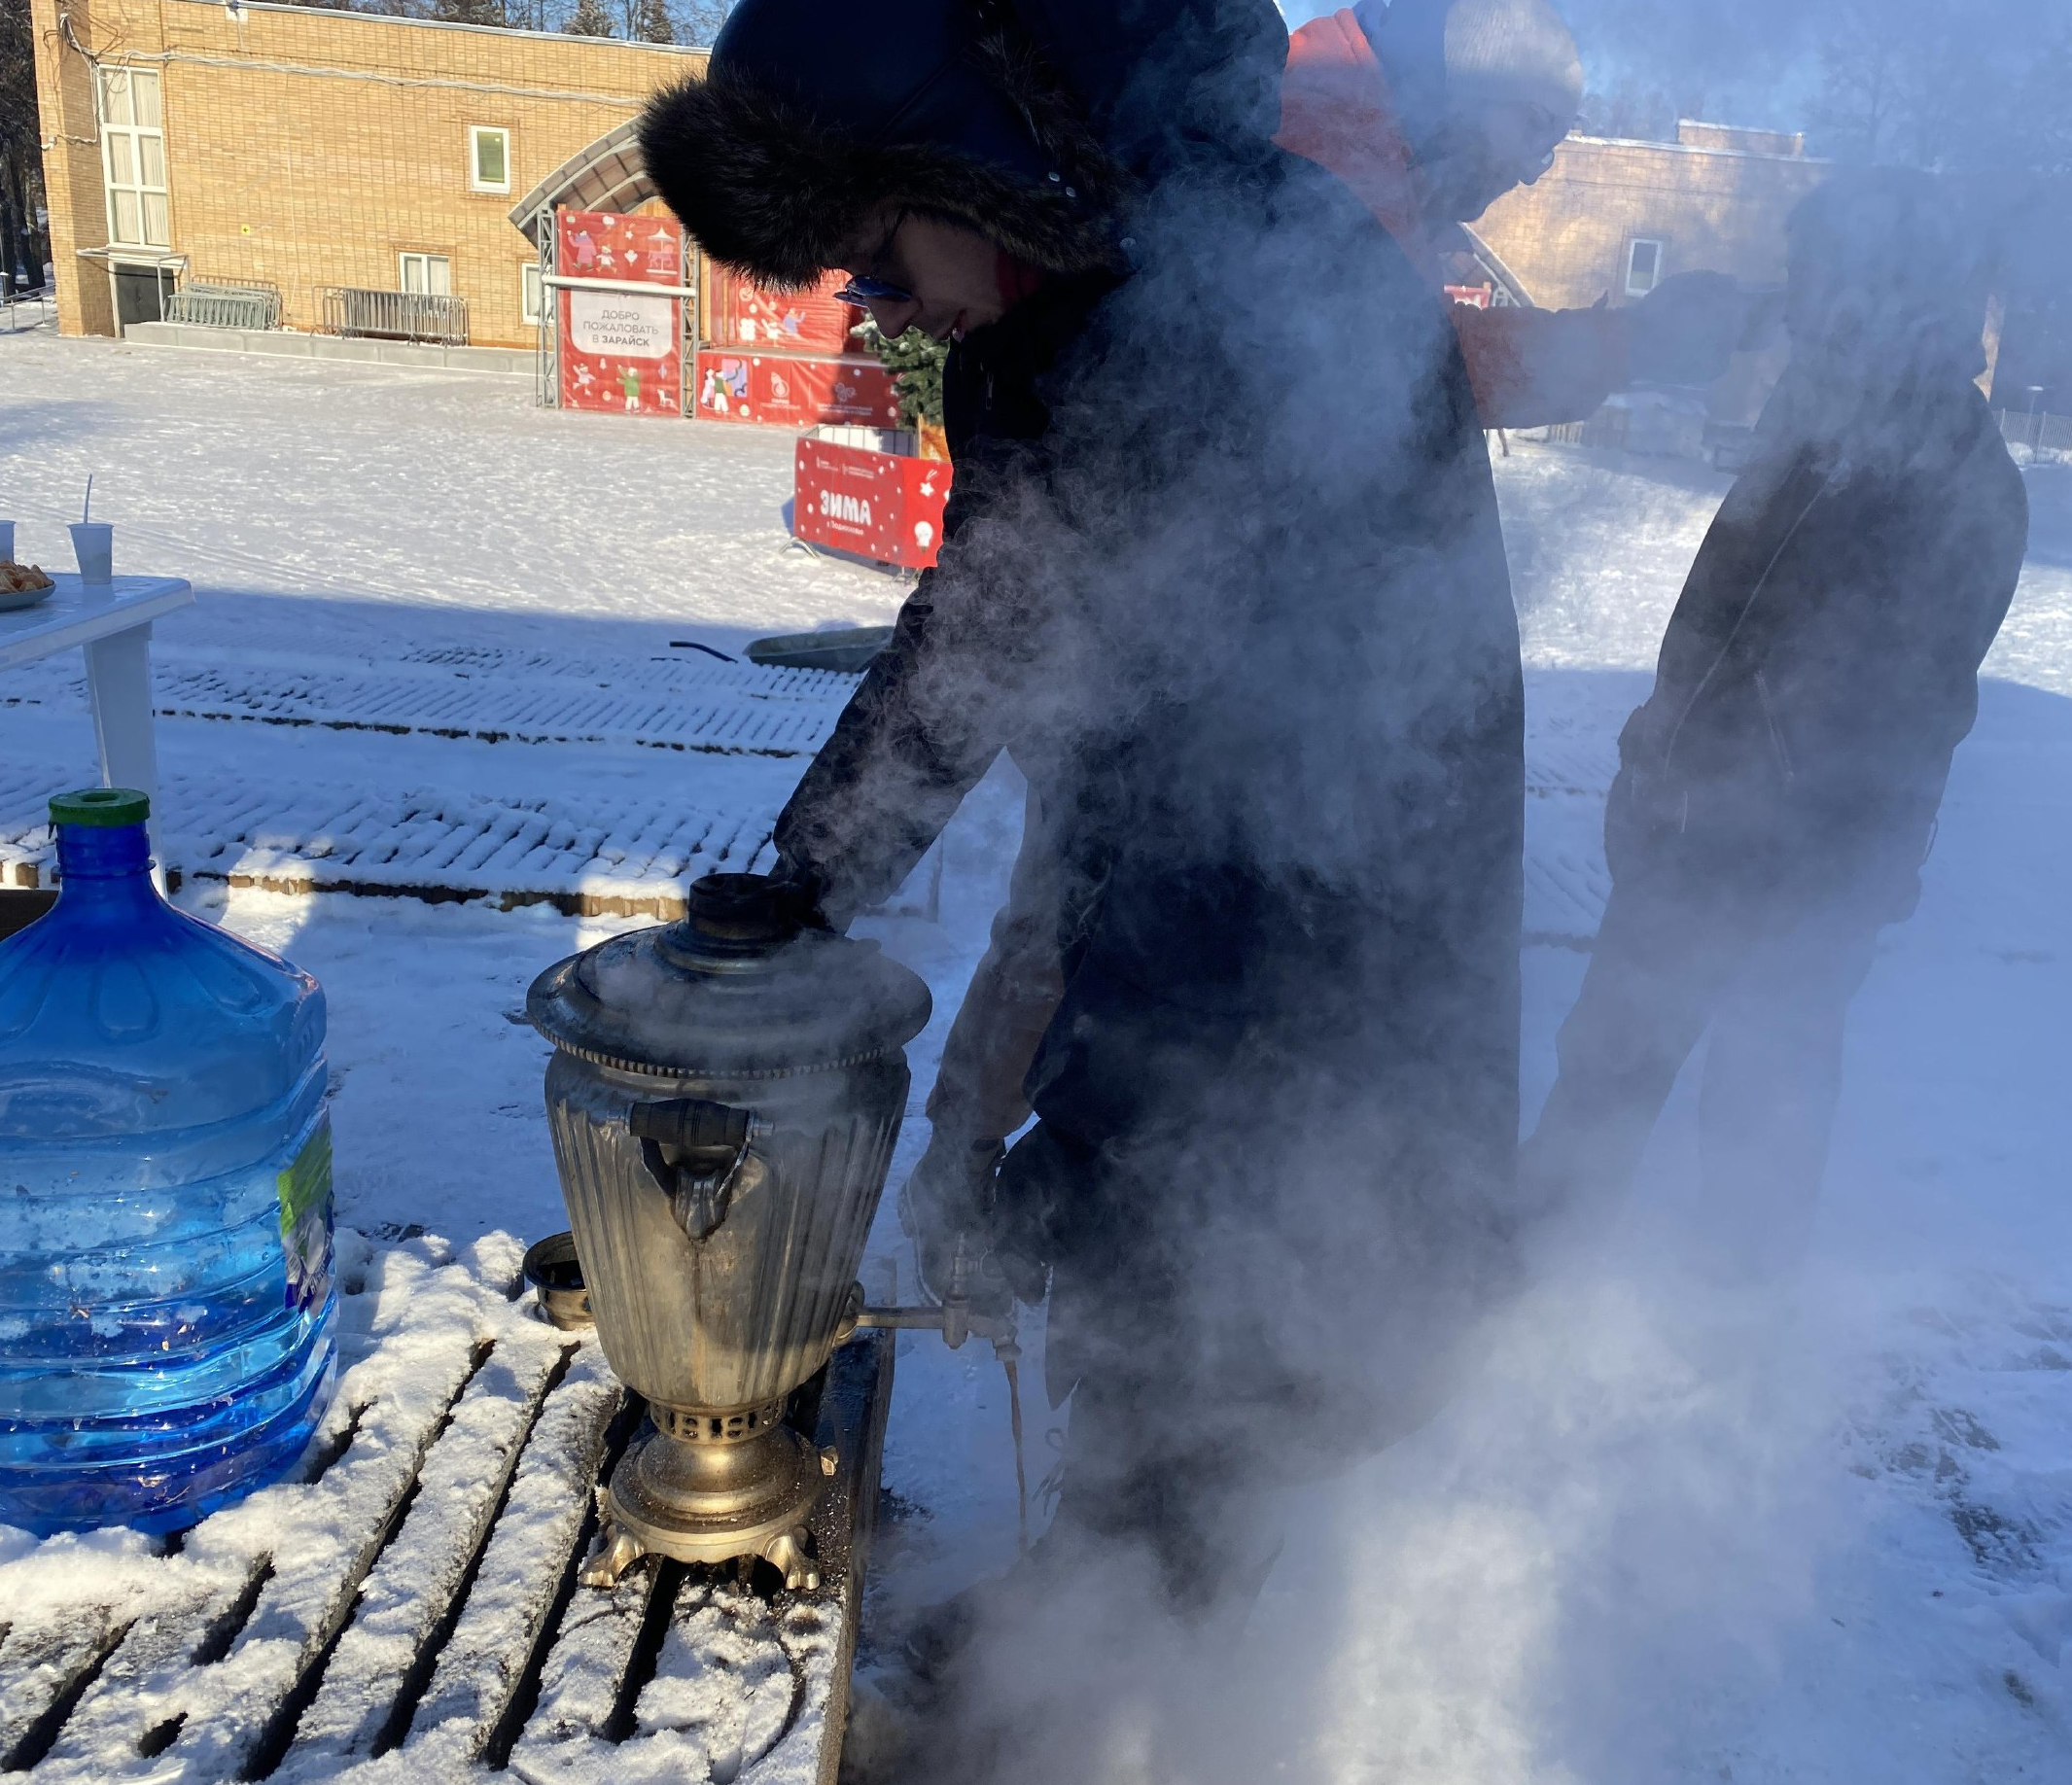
x,y
765,189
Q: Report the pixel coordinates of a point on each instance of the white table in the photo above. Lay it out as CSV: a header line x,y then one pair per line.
x,y
111,624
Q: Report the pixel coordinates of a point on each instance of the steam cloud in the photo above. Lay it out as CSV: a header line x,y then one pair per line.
x,y
1592,1563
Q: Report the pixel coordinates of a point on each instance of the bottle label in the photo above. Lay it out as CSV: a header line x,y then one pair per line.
x,y
305,1218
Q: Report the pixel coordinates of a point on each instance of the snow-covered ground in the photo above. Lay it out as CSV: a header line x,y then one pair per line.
x,y
1649,1543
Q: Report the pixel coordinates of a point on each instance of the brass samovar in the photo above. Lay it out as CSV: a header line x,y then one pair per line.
x,y
723,1095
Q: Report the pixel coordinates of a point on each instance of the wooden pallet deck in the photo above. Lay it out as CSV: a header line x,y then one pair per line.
x,y
491,696
606,853
406,1609
597,853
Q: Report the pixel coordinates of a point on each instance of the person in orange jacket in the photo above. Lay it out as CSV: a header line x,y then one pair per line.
x,y
1428,111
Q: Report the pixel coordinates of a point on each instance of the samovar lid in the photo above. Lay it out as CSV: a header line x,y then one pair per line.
x,y
737,989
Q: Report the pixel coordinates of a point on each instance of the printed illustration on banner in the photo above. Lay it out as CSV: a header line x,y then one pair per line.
x,y
620,349
724,388
795,391
812,322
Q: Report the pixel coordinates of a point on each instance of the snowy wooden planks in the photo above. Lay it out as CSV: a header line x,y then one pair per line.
x,y
602,854
494,696
408,1610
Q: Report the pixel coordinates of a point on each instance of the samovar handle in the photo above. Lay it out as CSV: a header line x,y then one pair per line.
x,y
694,1125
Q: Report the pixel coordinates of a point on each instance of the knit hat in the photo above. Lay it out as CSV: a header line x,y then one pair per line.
x,y
814,115
1465,54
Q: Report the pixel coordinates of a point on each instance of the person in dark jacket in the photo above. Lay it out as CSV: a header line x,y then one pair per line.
x,y
1223,568
1428,111
1777,792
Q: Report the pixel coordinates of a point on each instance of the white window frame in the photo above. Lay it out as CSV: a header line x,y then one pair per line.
x,y
139,144
426,260
531,294
475,182
1632,248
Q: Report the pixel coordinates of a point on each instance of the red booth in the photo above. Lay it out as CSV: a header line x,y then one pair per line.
x,y
882,505
788,360
787,357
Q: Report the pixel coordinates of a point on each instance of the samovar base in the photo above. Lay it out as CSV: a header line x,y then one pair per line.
x,y
707,1487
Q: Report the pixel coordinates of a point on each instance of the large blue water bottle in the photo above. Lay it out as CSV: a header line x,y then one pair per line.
x,y
166,1243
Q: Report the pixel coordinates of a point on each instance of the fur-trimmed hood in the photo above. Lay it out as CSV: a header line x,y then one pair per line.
x,y
1029,123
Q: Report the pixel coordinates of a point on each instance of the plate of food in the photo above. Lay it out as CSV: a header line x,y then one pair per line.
x,y
22,585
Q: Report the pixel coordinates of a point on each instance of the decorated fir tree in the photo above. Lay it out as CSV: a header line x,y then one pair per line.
x,y
916,365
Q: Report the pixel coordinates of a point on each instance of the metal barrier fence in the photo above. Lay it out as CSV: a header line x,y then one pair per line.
x,y
225,304
14,302
2038,429
392,316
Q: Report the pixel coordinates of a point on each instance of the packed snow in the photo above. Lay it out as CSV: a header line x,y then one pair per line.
x,y
1651,1541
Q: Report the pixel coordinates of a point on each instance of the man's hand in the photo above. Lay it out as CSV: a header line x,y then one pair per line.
x,y
948,1205
1686,330
800,891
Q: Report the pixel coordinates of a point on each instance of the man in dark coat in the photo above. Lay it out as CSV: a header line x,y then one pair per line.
x,y
1777,793
1428,111
1223,568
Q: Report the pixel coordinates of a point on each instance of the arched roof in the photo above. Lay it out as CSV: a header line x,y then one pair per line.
x,y
607,176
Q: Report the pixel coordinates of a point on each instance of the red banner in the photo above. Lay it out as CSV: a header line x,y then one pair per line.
x,y
741,315
877,505
794,393
620,350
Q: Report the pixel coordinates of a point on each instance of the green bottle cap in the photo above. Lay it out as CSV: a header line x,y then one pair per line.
x,y
103,806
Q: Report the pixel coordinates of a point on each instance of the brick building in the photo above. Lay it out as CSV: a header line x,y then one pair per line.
x,y
304,148
308,148
1612,220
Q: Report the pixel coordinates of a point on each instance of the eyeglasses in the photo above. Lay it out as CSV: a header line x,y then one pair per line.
x,y
863,291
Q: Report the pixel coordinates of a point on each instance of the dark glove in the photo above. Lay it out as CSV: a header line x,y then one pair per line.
x,y
800,891
1686,330
950,1206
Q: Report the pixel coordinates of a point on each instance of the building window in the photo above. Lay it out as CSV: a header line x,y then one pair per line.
x,y
133,158
529,290
488,158
1643,267
424,272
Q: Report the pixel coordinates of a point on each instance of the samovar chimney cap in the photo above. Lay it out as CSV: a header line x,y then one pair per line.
x,y
740,908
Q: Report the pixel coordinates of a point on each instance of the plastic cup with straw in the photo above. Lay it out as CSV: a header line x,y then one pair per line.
x,y
94,545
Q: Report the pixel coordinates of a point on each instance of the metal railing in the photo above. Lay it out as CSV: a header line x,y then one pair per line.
x,y
225,304
2038,429
392,316
14,303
